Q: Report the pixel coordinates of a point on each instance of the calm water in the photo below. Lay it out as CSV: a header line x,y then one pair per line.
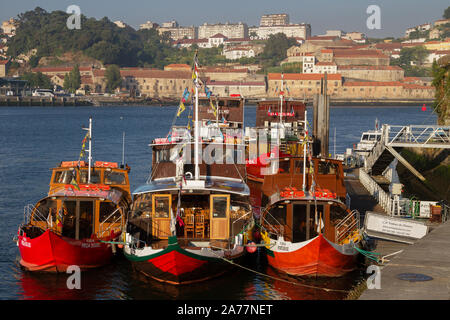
x,y
33,140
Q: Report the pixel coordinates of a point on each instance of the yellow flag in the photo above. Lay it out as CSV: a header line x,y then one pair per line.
x,y
214,108
181,109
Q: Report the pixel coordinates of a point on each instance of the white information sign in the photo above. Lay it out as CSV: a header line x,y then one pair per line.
x,y
399,227
425,211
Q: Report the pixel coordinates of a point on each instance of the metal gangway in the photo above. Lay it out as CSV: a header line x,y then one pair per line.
x,y
395,137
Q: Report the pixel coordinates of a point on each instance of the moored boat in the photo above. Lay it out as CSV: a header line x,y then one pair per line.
x,y
189,221
74,224
304,219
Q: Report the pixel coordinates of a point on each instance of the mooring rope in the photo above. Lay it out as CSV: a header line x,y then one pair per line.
x,y
276,278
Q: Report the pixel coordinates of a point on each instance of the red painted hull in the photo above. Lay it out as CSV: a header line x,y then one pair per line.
x,y
53,253
317,258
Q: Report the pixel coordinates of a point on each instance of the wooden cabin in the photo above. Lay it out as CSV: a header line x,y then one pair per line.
x,y
295,218
268,111
78,210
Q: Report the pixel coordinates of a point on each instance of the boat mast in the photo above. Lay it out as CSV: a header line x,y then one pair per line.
x,y
305,145
281,99
197,128
89,130
90,150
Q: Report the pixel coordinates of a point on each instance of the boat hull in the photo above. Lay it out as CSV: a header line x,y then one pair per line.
x,y
50,252
179,266
316,258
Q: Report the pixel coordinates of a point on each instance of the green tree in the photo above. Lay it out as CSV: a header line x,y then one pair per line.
x,y
72,80
113,78
275,49
37,80
446,14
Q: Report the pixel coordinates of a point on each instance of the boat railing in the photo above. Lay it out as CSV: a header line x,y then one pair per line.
x,y
30,210
347,226
107,225
239,219
279,230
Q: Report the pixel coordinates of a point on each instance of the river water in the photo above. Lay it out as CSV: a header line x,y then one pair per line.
x,y
35,139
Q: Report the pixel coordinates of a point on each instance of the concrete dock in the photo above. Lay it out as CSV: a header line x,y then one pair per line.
x,y
429,256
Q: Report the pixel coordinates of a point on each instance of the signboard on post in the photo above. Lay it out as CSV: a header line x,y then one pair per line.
x,y
425,211
396,229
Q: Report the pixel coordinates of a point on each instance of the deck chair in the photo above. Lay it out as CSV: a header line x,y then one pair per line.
x,y
199,226
189,224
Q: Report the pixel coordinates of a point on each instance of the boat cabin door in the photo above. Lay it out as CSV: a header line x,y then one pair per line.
x,y
78,219
162,207
220,216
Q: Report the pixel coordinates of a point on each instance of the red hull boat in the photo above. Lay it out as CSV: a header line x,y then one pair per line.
x,y
54,253
83,212
317,257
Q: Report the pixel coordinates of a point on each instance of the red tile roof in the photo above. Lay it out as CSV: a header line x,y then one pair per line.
x,y
325,64
351,53
236,83
219,35
152,73
373,84
217,69
358,67
304,76
59,69
4,62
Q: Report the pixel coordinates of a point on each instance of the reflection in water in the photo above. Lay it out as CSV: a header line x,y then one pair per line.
x,y
119,281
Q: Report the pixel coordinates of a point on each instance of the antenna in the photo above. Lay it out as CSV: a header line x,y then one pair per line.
x,y
123,146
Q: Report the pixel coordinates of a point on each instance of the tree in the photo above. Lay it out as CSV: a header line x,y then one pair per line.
x,y
276,48
446,13
72,80
113,78
37,80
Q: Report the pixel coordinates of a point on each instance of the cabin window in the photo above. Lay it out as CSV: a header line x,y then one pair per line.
x,y
162,207
284,166
95,176
298,166
64,176
277,215
69,218
142,205
220,207
163,155
327,168
337,214
86,219
114,177
299,223
45,208
233,103
365,137
106,210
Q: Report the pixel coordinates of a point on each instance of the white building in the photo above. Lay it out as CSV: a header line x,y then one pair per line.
x,y
308,63
322,67
435,55
234,53
217,40
291,31
420,28
279,19
178,33
120,24
148,25
229,30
